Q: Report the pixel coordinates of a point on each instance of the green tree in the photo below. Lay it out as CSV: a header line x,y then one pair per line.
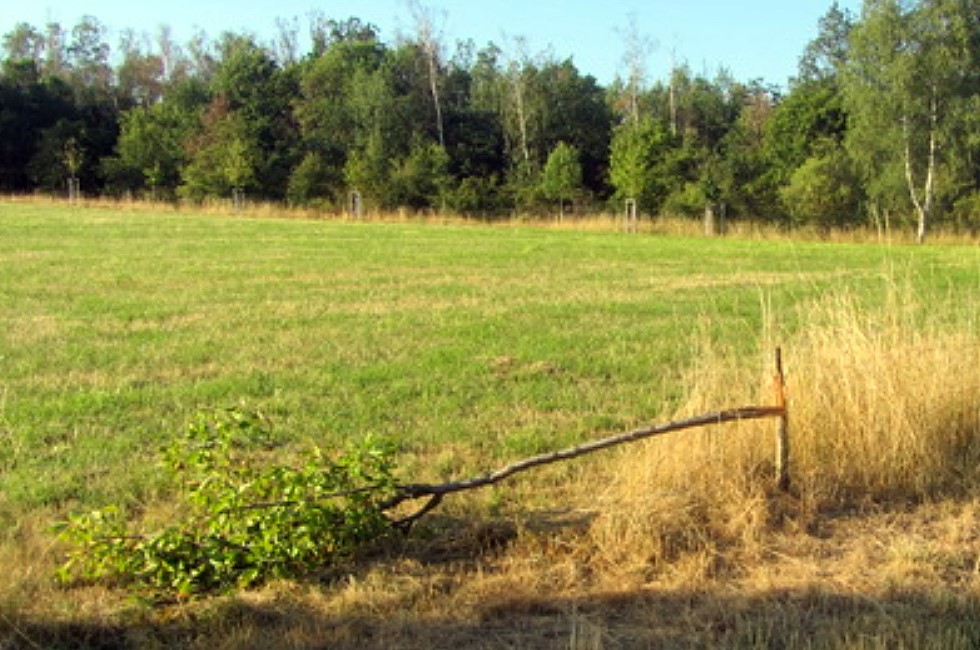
x,y
24,43
62,152
390,111
824,191
328,32
150,152
327,110
743,178
30,105
809,116
260,94
222,155
368,170
541,103
810,120
908,71
140,75
705,147
824,57
572,108
314,181
239,163
422,179
474,134
62,89
642,165
375,137
562,176
704,109
73,157
91,74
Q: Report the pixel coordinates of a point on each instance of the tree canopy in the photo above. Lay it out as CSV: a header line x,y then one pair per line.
x,y
882,118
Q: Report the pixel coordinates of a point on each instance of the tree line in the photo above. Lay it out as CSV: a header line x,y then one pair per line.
x,y
880,125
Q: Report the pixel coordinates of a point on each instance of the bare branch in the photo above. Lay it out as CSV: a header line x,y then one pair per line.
x,y
420,490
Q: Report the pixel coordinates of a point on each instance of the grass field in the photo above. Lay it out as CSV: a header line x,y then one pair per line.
x,y
471,345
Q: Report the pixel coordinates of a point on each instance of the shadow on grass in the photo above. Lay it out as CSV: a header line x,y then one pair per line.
x,y
432,614
810,619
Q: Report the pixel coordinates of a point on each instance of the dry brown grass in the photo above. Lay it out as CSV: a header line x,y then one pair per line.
x,y
885,416
668,225
890,406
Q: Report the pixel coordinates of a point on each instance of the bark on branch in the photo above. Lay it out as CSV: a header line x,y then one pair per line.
x,y
435,492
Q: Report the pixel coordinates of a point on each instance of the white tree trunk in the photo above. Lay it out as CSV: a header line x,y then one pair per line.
x,y
434,84
521,117
430,47
923,203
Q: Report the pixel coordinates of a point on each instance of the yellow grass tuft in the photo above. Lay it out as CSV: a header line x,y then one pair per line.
x,y
888,404
884,407
593,221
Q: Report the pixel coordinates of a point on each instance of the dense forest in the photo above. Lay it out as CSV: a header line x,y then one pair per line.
x,y
882,122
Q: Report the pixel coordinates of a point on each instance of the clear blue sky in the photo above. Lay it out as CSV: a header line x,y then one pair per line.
x,y
752,38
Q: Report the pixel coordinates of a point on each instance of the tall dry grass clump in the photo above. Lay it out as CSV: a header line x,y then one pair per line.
x,y
888,400
884,406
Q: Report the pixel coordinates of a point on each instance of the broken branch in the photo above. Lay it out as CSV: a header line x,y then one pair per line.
x,y
437,491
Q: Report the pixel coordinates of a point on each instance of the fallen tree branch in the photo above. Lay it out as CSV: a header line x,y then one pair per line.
x,y
437,491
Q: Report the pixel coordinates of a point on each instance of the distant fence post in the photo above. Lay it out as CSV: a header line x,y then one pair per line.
x,y
631,218
709,218
74,190
354,204
782,426
238,198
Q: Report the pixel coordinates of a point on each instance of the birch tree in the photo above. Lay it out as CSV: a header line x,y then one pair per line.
x,y
427,34
637,49
904,82
516,73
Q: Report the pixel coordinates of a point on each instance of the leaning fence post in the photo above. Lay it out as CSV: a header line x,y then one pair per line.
x,y
782,428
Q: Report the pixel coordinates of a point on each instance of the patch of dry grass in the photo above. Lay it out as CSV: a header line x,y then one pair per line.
x,y
889,405
884,409
664,225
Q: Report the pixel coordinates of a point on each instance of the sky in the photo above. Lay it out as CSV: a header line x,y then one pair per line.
x,y
752,39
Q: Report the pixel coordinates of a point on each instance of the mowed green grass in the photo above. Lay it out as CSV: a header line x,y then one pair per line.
x,y
466,344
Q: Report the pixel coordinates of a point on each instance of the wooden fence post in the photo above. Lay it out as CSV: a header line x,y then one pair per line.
x,y
632,224
709,218
782,427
